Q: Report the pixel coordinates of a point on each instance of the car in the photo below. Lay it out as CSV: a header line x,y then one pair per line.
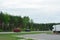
x,y
27,30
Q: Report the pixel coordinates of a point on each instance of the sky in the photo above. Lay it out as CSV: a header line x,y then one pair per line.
x,y
41,11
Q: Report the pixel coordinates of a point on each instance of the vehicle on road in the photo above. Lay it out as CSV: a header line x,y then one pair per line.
x,y
56,29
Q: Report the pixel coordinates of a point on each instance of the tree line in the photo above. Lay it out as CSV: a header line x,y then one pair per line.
x,y
9,22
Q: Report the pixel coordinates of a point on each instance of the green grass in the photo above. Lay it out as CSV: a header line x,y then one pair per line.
x,y
7,37
24,33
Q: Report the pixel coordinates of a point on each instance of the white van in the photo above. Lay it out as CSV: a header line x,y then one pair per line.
x,y
56,28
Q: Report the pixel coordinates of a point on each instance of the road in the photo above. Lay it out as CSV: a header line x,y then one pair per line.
x,y
41,36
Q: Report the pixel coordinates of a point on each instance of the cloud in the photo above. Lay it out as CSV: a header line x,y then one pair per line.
x,y
30,3
22,3
41,11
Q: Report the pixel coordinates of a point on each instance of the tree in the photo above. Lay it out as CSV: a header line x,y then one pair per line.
x,y
1,20
31,24
11,22
26,21
20,22
4,20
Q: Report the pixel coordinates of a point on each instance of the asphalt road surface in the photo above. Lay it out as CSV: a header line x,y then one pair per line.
x,y
42,36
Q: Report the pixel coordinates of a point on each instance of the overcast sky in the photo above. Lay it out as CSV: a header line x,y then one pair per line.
x,y
41,11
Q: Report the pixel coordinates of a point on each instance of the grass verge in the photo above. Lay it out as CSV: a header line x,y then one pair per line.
x,y
7,37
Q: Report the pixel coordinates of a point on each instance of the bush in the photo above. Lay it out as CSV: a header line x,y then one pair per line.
x,y
1,30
